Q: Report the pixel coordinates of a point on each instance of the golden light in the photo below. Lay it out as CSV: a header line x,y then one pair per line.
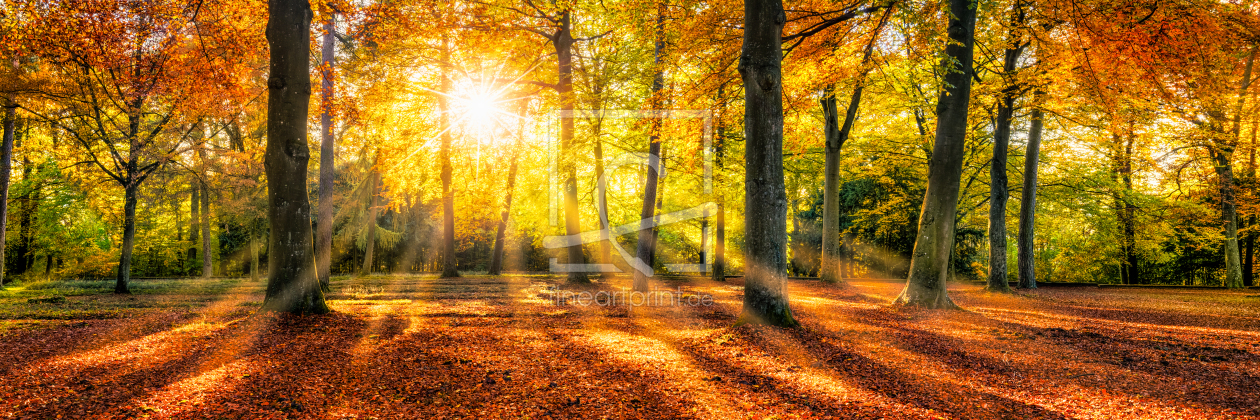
x,y
480,112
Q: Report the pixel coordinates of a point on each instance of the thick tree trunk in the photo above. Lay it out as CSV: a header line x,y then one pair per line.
x,y
292,284
207,257
765,202
563,42
6,170
370,224
450,268
327,157
1028,203
930,261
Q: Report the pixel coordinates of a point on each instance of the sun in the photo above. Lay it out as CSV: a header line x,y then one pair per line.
x,y
480,112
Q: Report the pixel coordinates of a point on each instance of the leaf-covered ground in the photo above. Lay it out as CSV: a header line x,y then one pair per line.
x,y
418,347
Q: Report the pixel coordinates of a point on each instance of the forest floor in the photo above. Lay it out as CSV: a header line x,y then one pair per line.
x,y
419,347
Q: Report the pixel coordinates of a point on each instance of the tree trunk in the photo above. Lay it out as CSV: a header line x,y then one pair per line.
x,y
496,260
1223,158
253,254
6,170
207,257
999,189
719,219
450,268
122,284
327,157
563,42
29,205
1028,202
370,224
605,246
930,261
292,284
194,223
765,211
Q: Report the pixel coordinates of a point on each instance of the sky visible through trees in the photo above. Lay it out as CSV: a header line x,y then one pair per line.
x,y
308,156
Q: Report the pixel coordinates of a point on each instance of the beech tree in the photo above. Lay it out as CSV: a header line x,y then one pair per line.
x,y
292,284
934,245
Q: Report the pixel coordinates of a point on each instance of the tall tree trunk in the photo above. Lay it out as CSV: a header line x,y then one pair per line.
x,y
450,268
835,135
374,180
1125,210
6,170
765,197
30,203
563,42
496,259
930,261
123,283
292,284
253,255
605,246
647,214
194,223
999,190
1028,201
660,205
1249,267
327,156
207,257
719,177
1223,154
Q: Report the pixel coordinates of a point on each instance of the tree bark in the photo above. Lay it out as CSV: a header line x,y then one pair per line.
x,y
194,223
327,156
999,189
719,219
6,170
836,136
500,236
292,284
123,283
930,261
207,257
374,181
450,268
605,246
765,202
563,42
1028,202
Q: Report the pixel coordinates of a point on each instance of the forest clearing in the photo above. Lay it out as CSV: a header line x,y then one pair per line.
x,y
499,347
762,209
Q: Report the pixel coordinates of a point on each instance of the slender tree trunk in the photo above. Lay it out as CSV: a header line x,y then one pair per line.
x,y
647,229
292,284
765,197
370,224
496,260
933,249
30,204
327,156
1229,216
719,185
1125,210
122,285
563,42
1028,202
999,189
194,223
450,268
207,257
660,206
836,136
253,254
605,246
1249,273
6,170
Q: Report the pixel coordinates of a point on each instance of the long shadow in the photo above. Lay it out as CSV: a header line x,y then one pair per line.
x,y
114,388
1202,365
